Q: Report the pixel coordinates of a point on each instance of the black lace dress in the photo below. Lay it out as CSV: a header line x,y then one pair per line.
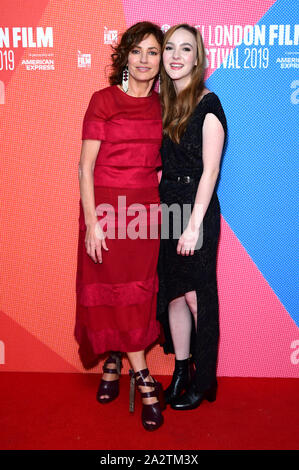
x,y
180,274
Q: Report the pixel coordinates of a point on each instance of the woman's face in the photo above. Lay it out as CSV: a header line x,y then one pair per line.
x,y
144,59
180,57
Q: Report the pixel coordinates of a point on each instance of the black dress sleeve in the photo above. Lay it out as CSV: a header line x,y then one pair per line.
x,y
211,104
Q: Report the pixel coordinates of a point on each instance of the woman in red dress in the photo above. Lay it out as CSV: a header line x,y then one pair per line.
x,y
116,281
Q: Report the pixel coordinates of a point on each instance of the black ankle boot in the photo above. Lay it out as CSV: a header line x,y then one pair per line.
x,y
179,382
192,398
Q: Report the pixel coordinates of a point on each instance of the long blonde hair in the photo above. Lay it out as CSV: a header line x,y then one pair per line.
x,y
177,109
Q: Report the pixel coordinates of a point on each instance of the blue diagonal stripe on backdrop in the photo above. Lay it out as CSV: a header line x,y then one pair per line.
x,y
257,189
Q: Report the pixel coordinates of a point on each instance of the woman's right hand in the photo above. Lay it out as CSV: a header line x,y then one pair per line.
x,y
95,241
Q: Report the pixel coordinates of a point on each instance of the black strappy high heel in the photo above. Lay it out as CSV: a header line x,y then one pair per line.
x,y
110,387
150,412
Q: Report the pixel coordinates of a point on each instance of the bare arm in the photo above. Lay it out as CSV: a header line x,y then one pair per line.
x,y
213,140
89,152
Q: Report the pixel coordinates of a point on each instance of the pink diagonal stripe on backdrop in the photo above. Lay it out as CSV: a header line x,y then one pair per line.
x,y
258,335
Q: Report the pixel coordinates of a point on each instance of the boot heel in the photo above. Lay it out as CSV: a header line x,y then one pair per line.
x,y
161,397
180,380
132,392
211,394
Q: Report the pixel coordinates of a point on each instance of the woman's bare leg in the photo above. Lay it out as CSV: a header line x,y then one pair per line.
x,y
180,323
191,300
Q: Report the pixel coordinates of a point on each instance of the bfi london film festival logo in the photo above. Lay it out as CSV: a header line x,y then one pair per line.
x,y
33,39
84,60
110,35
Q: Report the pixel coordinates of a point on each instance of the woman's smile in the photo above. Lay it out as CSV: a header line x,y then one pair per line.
x,y
143,69
176,66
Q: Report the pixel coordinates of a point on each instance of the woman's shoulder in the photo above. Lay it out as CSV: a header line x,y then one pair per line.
x,y
104,100
209,102
209,97
100,104
103,93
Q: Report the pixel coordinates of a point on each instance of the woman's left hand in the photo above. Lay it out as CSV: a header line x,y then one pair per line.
x,y
187,242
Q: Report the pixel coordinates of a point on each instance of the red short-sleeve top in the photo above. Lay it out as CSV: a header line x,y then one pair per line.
x,y
130,131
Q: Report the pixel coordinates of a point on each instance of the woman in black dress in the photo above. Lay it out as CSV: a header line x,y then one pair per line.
x,y
194,135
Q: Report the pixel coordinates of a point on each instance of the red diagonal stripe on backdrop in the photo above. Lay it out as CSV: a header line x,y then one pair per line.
x,y
23,351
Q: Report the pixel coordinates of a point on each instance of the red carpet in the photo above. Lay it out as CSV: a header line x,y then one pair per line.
x,y
59,411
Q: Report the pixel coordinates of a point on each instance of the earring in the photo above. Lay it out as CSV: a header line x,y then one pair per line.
x,y
159,83
125,79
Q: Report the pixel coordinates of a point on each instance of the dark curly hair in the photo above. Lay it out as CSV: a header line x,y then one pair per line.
x,y
131,38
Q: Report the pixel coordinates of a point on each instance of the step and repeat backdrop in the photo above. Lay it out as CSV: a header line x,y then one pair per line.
x,y
53,56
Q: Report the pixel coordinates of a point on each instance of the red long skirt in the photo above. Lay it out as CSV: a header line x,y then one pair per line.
x,y
116,299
